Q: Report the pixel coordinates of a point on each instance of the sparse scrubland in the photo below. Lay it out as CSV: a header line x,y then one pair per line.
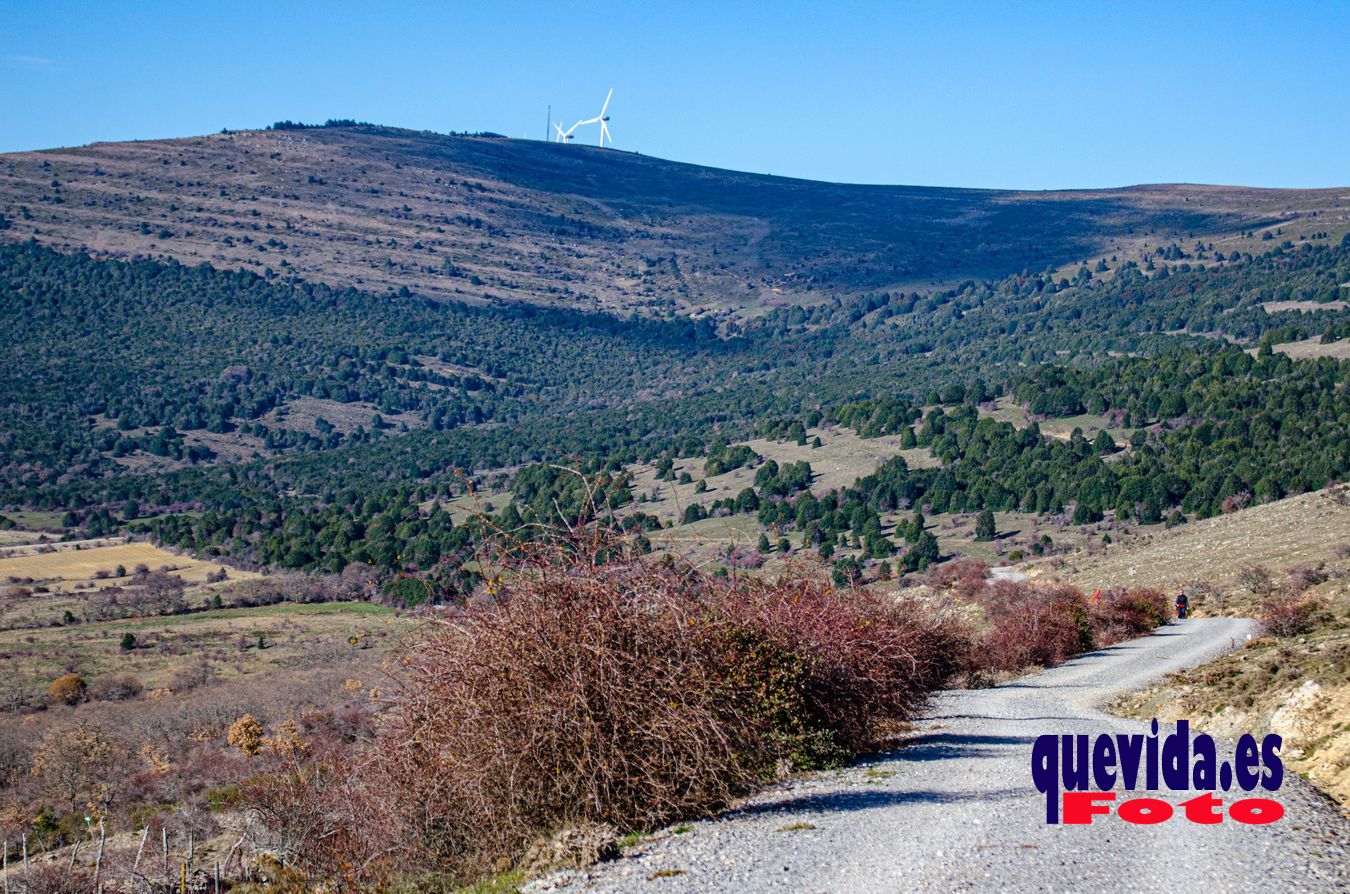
x,y
627,693
330,556
1293,679
583,687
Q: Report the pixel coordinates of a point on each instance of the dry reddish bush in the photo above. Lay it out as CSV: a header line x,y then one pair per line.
x,y
629,692
1032,625
1305,576
53,878
1126,613
1287,614
333,817
965,577
116,688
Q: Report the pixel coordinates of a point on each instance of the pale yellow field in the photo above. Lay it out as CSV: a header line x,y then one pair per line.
x,y
1312,348
1277,306
1305,530
68,564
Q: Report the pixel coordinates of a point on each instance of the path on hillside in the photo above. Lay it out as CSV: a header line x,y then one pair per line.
x,y
956,810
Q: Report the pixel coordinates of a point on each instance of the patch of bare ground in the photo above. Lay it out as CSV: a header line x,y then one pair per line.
x,y
1272,307
1312,348
304,414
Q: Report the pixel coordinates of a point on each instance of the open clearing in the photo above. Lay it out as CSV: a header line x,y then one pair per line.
x,y
840,460
291,635
66,564
1305,530
1272,307
1312,348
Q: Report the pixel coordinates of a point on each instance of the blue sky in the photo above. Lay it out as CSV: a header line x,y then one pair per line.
x,y
1039,95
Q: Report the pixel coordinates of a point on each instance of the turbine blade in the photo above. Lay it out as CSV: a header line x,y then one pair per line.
x,y
606,105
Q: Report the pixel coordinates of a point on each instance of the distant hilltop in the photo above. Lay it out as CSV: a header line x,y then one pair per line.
x,y
486,219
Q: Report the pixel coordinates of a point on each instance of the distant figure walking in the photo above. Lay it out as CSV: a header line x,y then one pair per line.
x,y
1183,604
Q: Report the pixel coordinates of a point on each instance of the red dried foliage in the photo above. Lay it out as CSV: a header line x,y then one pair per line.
x,y
630,693
966,578
1033,625
1287,614
1124,613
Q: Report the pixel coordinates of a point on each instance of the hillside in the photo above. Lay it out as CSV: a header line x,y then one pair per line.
x,y
489,219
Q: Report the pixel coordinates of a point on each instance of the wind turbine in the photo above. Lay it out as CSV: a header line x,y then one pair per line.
x,y
563,135
604,127
599,119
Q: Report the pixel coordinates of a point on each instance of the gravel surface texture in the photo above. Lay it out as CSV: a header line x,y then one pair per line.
x,y
956,809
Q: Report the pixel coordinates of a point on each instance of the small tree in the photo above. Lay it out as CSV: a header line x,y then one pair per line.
x,y
923,553
763,545
80,763
128,641
984,525
67,690
246,734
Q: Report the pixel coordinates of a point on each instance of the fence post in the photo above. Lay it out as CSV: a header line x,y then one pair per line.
x,y
98,860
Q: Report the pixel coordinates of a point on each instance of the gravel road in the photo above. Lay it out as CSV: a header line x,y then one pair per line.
x,y
956,810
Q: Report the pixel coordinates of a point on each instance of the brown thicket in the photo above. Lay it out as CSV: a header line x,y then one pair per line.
x,y
588,686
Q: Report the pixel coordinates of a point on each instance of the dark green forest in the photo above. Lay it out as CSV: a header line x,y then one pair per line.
x,y
154,394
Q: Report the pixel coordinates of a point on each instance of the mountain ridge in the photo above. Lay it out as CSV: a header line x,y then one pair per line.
x,y
490,219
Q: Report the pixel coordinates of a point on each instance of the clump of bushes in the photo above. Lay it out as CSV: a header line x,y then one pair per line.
x,y
67,689
1046,624
1124,613
1287,613
1032,625
627,692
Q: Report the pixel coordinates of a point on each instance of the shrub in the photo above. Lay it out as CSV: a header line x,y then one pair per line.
x,y
117,688
1033,625
246,734
1257,579
68,689
627,693
1287,614
965,577
1127,613
55,878
1305,576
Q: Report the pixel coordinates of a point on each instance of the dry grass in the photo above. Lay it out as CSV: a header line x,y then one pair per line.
x,y
292,635
1272,307
79,561
1312,348
1303,530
